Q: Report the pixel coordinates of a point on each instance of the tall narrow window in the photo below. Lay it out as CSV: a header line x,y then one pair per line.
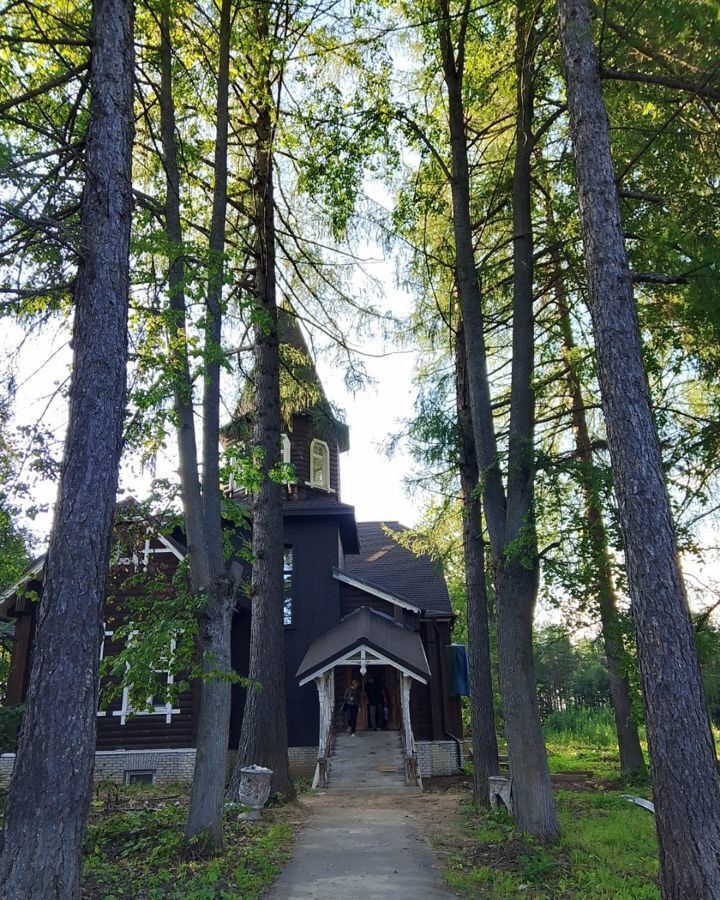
x,y
288,586
285,449
320,464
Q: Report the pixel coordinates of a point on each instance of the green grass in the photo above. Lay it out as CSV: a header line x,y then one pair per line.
x,y
136,854
607,850
586,727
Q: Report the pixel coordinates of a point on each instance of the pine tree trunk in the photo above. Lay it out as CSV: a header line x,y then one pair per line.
x,y
682,763
632,761
205,813
484,738
510,521
51,786
263,736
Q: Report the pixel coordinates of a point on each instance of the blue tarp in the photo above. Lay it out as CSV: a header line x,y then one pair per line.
x,y
457,666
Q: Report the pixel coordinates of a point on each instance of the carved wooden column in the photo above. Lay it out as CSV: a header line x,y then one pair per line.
x,y
326,695
412,770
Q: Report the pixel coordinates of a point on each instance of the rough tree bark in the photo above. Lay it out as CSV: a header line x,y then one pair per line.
x,y
510,519
484,738
51,786
263,736
682,762
632,761
204,823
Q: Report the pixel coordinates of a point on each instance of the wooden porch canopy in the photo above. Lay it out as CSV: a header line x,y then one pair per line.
x,y
364,638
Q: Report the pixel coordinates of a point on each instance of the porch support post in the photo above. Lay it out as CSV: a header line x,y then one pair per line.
x,y
405,685
412,769
325,684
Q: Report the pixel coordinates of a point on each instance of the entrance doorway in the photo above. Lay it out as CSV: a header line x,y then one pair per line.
x,y
387,676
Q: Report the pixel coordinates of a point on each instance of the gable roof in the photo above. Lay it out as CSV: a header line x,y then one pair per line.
x,y
302,392
373,630
382,563
375,590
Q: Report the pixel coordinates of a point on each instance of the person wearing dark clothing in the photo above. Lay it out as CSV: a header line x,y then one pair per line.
x,y
351,703
375,693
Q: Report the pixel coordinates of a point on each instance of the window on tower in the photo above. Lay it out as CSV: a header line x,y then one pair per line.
x,y
285,449
320,464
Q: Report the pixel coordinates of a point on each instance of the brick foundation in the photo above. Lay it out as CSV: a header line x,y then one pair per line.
x,y
167,766
437,758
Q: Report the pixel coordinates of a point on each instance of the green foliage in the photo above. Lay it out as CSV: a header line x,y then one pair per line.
x,y
154,616
582,726
138,854
569,673
10,721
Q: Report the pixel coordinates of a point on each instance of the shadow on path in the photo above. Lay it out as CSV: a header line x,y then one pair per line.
x,y
365,846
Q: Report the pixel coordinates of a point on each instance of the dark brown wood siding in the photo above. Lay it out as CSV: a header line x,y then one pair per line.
x,y
352,598
141,731
301,436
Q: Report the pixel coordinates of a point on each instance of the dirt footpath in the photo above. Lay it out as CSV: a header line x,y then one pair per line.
x,y
369,847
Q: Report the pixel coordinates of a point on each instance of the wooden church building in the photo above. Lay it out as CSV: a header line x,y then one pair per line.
x,y
358,605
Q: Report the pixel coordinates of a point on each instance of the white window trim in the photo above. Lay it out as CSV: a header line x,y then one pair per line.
x,y
326,465
106,634
165,709
148,550
285,449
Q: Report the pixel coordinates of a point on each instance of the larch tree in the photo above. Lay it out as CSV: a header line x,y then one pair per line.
x,y
682,760
632,761
212,576
484,737
509,515
51,785
263,737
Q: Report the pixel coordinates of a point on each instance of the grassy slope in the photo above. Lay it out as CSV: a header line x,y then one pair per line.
x,y
607,848
133,851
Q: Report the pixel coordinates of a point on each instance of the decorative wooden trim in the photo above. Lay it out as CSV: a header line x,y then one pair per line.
x,y
339,575
365,656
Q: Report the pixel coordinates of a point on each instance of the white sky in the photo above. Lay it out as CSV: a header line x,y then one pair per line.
x,y
370,480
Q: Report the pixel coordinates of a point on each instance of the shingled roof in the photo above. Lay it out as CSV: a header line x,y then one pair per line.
x,y
384,563
369,628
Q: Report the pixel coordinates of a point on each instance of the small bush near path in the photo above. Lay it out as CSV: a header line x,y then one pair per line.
x,y
133,851
607,850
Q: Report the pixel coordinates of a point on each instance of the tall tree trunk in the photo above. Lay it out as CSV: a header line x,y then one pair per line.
x,y
263,736
182,382
51,786
484,739
205,813
682,762
510,522
632,761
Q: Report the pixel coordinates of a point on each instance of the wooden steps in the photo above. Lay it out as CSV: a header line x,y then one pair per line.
x,y
371,762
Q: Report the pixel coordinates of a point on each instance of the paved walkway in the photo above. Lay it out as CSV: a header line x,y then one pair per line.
x,y
360,847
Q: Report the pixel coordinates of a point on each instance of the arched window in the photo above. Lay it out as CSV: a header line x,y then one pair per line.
x,y
285,449
320,464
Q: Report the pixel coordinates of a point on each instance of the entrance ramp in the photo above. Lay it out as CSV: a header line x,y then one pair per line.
x,y
371,762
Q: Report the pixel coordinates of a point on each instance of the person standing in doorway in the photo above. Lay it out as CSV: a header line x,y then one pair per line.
x,y
352,702
376,701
